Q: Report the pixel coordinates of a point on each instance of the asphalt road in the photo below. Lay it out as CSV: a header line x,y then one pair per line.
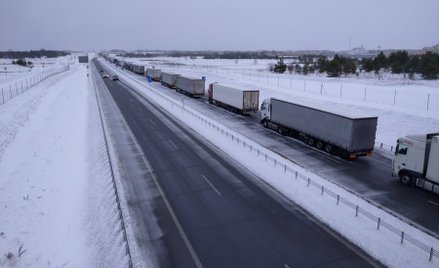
x,y
368,177
223,216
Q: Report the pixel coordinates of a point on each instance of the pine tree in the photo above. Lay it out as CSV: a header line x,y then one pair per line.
x,y
280,66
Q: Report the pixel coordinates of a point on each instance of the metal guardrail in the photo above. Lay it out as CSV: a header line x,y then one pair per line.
x,y
17,87
338,199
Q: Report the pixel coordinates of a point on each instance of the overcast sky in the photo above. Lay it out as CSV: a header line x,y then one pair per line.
x,y
218,24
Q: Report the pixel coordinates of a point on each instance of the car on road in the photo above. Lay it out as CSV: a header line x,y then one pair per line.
x,y
114,77
105,76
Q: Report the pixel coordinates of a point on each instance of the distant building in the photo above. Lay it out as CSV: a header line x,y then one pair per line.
x,y
83,59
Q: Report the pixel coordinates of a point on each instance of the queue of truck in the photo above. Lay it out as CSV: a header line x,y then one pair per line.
x,y
344,133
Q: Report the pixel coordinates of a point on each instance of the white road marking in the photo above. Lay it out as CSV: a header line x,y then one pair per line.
x,y
173,144
152,122
434,203
211,185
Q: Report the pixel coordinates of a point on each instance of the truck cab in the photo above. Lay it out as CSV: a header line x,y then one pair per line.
x,y
265,111
409,159
415,161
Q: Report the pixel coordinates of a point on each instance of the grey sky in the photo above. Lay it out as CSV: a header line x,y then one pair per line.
x,y
218,24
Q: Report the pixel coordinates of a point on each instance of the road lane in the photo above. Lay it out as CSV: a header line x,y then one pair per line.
x,y
241,226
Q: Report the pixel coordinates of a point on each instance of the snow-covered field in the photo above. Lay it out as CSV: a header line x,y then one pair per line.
x,y
400,104
57,205
12,72
306,189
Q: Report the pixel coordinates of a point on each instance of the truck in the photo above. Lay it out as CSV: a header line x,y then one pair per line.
x,y
237,100
345,133
154,73
169,79
193,87
416,161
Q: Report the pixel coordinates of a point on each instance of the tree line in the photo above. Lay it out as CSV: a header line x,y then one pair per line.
x,y
33,54
399,62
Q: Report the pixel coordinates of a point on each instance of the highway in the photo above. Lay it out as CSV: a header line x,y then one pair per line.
x,y
368,177
212,212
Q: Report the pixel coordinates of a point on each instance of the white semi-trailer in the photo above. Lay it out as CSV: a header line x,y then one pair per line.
x,y
237,100
342,132
191,86
169,79
154,73
416,161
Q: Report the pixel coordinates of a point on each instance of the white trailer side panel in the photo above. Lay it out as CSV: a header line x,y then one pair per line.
x,y
169,78
433,160
192,86
229,95
154,73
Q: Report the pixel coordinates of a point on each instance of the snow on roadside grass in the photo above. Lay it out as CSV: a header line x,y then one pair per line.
x,y
53,177
381,244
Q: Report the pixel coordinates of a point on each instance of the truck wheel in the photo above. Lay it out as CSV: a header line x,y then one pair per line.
x,y
406,179
280,130
265,124
328,148
319,144
311,141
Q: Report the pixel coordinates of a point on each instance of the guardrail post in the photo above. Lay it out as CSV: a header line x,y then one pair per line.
x,y
285,168
402,237
3,95
308,182
378,224
431,254
275,162
10,90
323,189
296,175
338,199
265,157
356,211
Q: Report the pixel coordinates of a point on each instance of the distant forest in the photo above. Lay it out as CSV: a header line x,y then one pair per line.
x,y
399,62
32,54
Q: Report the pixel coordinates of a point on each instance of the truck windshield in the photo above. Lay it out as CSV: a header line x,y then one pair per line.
x,y
401,149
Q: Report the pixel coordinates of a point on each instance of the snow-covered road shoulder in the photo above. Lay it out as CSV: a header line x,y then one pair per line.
x,y
53,178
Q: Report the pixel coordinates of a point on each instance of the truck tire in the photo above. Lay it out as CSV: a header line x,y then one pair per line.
x,y
319,144
406,179
328,148
280,131
310,141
